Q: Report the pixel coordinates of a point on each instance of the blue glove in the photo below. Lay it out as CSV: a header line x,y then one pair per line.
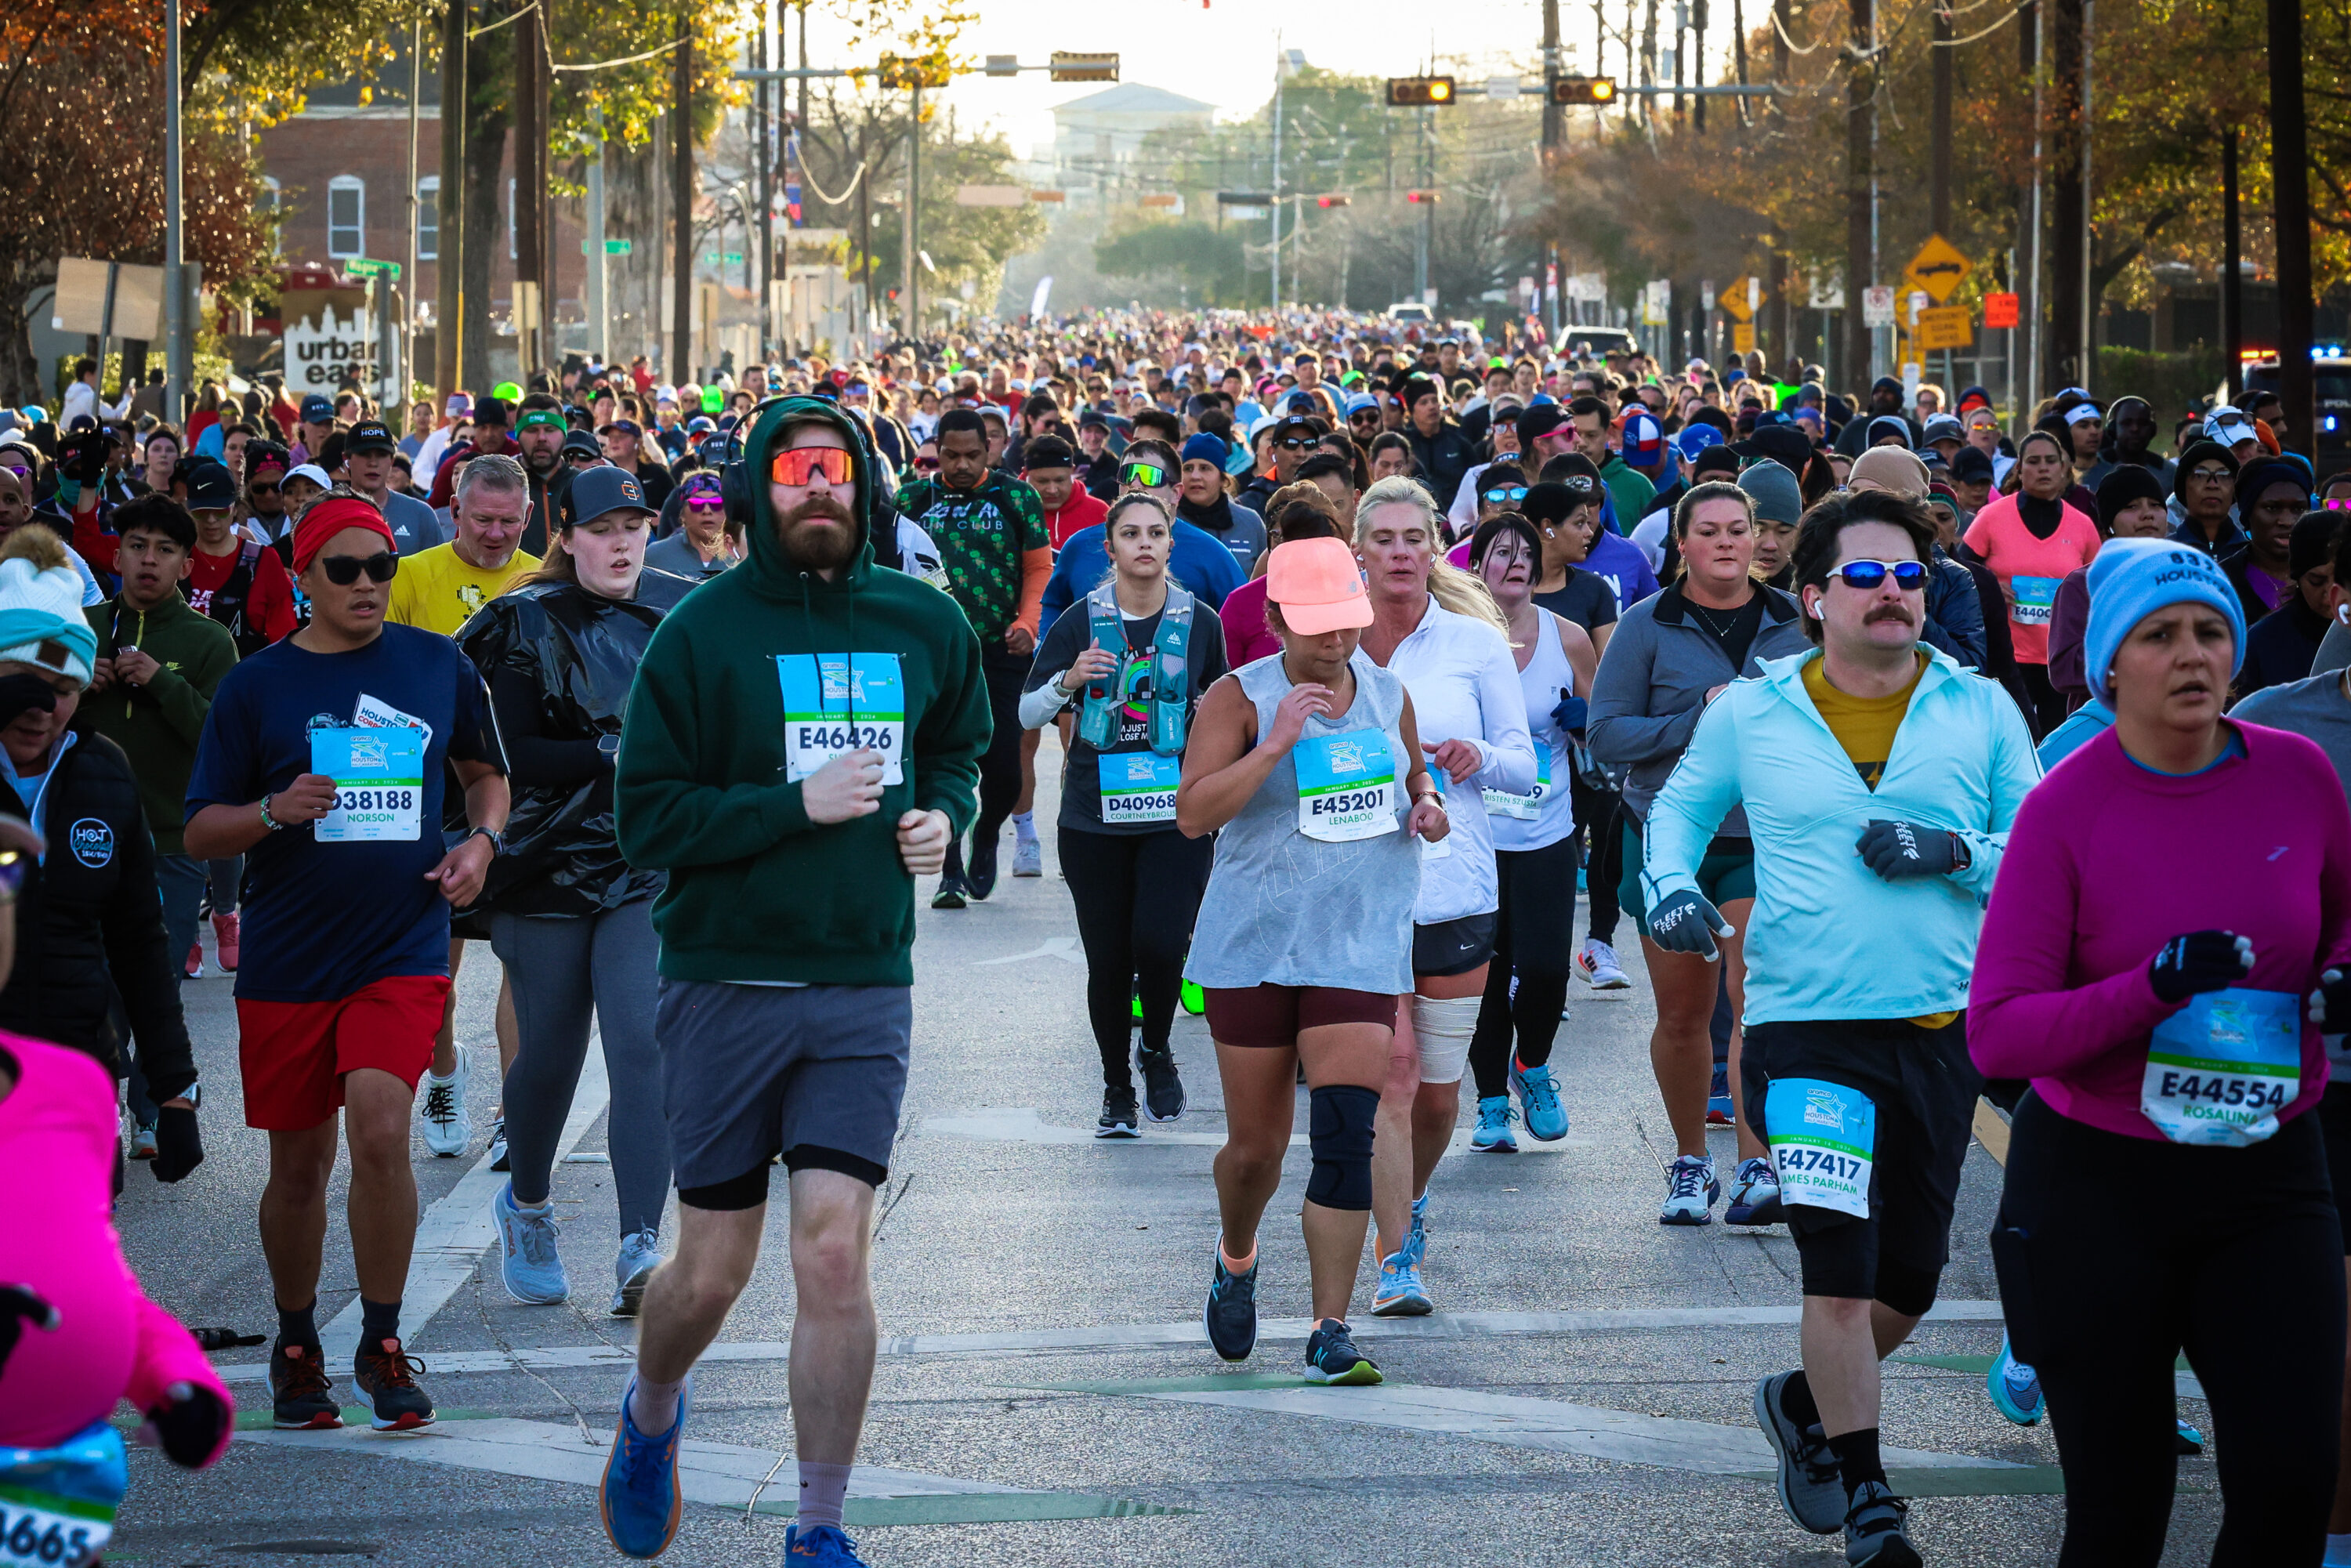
x,y
1899,852
2198,961
1686,923
1569,715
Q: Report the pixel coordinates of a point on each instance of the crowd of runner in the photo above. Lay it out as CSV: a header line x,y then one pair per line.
x,y
1948,762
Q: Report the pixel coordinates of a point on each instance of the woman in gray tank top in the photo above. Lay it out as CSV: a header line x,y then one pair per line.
x,y
1307,766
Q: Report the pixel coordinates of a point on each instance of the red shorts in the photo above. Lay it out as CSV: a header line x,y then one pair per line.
x,y
1272,1017
293,1055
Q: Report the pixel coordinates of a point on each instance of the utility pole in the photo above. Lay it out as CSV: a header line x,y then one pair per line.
x,y
1940,188
680,131
449,240
1649,64
2030,20
762,181
1555,125
176,357
529,192
2289,179
1427,207
408,276
600,277
2066,349
1681,52
1281,78
1697,62
1860,181
2233,270
911,231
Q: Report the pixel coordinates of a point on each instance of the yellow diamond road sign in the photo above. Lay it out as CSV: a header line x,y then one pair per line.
x,y
1938,268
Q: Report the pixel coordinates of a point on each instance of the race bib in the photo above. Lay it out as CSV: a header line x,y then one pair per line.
x,y
1823,1137
2036,599
1346,786
840,703
379,776
1529,806
2220,1069
58,1505
1139,787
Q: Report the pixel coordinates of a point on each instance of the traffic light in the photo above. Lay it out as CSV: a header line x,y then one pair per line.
x,y
1066,66
1584,90
1414,92
1333,201
1417,196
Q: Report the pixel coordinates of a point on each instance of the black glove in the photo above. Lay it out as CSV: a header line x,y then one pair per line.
x,y
2330,1005
18,1306
2198,961
1901,851
178,1147
82,458
20,693
187,1424
1570,714
1686,923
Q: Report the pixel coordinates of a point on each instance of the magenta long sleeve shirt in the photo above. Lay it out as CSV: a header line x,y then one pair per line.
x,y
2107,860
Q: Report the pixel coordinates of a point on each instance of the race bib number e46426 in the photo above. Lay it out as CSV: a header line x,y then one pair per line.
x,y
1346,786
379,776
1139,787
1823,1138
2220,1069
839,703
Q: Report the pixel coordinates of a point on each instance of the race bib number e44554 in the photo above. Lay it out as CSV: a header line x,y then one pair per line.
x,y
379,776
839,703
1824,1139
2220,1069
1346,786
1139,787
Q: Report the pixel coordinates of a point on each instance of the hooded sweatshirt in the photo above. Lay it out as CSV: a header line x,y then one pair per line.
x,y
756,892
158,725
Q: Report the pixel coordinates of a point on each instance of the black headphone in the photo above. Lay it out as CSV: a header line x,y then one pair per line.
x,y
736,479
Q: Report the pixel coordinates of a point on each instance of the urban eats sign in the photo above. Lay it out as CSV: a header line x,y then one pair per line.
x,y
330,340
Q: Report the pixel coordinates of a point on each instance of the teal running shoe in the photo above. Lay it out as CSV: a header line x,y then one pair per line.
x,y
1400,1293
2014,1387
1538,1092
1493,1136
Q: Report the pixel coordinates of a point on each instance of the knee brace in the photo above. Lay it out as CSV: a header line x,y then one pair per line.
x,y
1443,1027
1340,1131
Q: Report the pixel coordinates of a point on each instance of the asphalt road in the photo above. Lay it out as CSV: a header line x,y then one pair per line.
x,y
1044,1396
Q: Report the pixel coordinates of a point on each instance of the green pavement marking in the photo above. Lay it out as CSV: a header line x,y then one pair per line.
x,y
1148,1386
979,1508
1976,1364
354,1416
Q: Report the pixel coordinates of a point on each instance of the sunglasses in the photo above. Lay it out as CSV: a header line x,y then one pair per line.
x,y
2338,504
262,487
1908,575
800,464
1507,493
1150,475
1294,443
342,570
927,465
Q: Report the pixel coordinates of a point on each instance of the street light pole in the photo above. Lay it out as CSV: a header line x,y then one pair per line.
x,y
913,227
599,281
176,345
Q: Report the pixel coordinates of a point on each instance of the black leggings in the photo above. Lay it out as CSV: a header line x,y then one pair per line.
x,y
1136,895
1596,823
1532,938
2239,1266
999,767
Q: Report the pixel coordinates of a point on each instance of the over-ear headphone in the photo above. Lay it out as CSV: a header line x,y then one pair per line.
x,y
736,479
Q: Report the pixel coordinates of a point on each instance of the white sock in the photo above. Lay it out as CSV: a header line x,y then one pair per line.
x,y
1024,826
653,1405
2338,1552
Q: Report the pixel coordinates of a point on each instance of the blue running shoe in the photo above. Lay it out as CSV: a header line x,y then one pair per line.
x,y
1332,1357
2185,1440
1493,1136
2014,1387
1400,1294
528,1261
1691,1191
639,1497
1230,1316
1538,1093
1415,1242
1755,1196
821,1547
1718,1097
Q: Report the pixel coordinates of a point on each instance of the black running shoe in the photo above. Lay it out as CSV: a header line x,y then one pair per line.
x,y
950,893
1230,1316
297,1382
979,874
385,1378
1162,1087
1873,1531
1118,1118
1332,1357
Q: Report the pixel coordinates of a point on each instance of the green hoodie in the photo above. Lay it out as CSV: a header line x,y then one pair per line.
x,y
159,723
756,892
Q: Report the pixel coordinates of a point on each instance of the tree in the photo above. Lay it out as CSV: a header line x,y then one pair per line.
x,y
1200,256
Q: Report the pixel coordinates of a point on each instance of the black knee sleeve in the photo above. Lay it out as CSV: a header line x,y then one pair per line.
x,y
1906,1287
1340,1131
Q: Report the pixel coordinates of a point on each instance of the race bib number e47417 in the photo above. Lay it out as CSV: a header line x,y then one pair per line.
x,y
839,703
379,776
1823,1137
1139,787
1346,786
2220,1069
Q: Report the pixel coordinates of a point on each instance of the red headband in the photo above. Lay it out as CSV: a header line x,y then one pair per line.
x,y
330,517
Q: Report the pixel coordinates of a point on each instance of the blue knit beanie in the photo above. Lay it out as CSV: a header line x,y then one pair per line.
x,y
1206,448
2131,579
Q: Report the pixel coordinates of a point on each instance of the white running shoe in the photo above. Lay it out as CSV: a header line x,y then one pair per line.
x,y
1027,858
442,1108
1598,966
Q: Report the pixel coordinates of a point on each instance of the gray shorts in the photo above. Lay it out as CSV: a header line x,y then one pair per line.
x,y
814,1074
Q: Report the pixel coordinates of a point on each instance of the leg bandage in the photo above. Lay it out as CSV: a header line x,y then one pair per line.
x,y
1340,1131
1443,1028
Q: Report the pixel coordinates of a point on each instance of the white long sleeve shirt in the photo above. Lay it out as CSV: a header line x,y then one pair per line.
x,y
1465,685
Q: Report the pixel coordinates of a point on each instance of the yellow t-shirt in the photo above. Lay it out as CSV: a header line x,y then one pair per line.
x,y
1865,726
438,590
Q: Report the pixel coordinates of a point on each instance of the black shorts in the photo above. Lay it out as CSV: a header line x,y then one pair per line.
x,y
1924,1088
1271,1018
1454,947
2335,1126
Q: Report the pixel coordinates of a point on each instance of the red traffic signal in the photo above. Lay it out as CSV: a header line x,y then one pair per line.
x,y
1420,195
1333,201
1416,92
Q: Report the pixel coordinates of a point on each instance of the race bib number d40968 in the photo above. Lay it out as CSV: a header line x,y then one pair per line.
x,y
1139,787
1823,1138
840,703
379,776
1346,786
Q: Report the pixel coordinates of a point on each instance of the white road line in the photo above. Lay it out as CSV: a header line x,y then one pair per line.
x,y
452,1234
1065,949
1173,1336
1023,1124
1548,1424
721,1475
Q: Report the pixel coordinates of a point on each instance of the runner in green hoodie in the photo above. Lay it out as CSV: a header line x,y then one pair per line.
x,y
802,742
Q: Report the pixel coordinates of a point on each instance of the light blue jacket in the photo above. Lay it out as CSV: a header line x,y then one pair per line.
x,y
1828,938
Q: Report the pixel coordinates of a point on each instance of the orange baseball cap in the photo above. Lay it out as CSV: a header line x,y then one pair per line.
x,y
1319,586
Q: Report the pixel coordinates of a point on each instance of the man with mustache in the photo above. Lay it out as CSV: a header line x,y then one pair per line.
x,y
802,741
1880,780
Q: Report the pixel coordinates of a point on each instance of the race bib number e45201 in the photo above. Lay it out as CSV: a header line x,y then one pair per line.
x,y
1823,1137
379,776
838,702
2220,1069
1139,787
1346,786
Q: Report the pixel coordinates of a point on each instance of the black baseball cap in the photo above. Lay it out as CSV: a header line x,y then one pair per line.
x,y
1971,463
582,444
370,435
1541,419
317,409
597,491
1786,444
211,487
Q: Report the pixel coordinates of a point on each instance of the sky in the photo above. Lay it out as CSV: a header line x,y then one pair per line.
x,y
1224,53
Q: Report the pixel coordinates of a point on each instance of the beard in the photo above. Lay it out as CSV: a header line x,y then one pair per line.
x,y
817,550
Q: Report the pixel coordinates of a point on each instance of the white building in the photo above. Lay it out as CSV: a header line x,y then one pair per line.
x,y
1097,138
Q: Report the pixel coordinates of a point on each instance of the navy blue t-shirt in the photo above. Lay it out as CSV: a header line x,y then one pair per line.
x,y
324,919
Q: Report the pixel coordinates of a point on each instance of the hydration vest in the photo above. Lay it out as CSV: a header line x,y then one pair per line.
x,y
1170,671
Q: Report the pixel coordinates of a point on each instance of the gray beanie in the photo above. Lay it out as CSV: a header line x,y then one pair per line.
x,y
1777,497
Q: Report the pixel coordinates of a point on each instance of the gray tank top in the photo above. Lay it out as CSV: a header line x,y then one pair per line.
x,y
1285,909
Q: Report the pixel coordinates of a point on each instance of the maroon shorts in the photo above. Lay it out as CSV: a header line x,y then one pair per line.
x,y
293,1055
1270,1017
